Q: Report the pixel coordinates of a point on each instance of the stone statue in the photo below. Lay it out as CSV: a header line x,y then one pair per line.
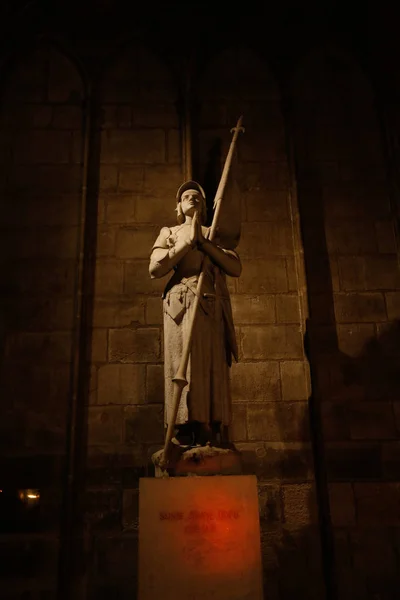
x,y
204,411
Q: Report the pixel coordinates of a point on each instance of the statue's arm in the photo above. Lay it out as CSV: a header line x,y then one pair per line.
x,y
163,258
227,260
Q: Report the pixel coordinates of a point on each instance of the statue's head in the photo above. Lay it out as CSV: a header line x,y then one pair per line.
x,y
187,190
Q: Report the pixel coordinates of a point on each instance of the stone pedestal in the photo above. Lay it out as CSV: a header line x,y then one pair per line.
x,y
200,460
199,538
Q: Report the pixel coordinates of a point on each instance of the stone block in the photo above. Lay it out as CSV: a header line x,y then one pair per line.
x,y
352,273
93,385
76,154
396,410
130,509
109,313
67,117
135,242
275,422
354,339
105,425
342,506
45,277
174,152
385,236
154,384
266,204
117,116
286,461
290,461
108,178
36,116
121,384
144,424
299,504
353,461
47,146
377,503
272,342
359,307
120,208
263,276
43,314
133,146
134,345
391,460
42,179
374,554
294,380
26,558
162,181
41,243
155,114
105,244
41,389
292,279
102,509
322,272
114,556
98,347
255,381
154,311
393,305
150,209
253,309
109,277
335,421
382,272
270,174
372,421
36,346
49,210
253,455
238,426
131,179
259,240
265,147
270,505
351,237
355,200
287,308
137,279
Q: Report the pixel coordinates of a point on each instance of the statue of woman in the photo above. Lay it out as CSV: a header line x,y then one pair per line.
x,y
205,405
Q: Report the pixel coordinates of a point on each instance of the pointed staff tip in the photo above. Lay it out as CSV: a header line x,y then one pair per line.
x,y
239,127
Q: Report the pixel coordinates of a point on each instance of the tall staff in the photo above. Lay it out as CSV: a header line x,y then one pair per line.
x,y
180,380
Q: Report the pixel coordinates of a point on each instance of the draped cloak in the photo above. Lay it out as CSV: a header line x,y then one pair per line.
x,y
206,398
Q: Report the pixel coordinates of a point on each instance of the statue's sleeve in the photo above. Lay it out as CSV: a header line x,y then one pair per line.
x,y
159,253
231,253
218,242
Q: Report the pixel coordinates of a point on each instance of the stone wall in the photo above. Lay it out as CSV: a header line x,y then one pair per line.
x,y
353,281
40,174
310,193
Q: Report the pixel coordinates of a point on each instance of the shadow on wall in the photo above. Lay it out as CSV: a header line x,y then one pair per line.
x,y
356,395
375,372
290,534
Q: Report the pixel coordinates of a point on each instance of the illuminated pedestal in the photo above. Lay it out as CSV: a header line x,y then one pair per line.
x,y
199,538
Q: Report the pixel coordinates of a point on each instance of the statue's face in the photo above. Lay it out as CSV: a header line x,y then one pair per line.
x,y
190,202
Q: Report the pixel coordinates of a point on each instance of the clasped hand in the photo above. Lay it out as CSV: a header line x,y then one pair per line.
x,y
196,237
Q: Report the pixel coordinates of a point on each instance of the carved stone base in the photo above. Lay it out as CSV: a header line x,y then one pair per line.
x,y
199,460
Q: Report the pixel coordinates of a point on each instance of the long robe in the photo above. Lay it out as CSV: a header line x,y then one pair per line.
x,y
206,398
